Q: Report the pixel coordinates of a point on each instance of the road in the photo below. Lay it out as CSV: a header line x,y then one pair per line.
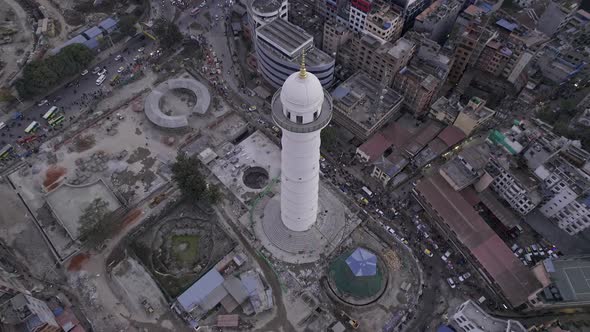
x,y
71,98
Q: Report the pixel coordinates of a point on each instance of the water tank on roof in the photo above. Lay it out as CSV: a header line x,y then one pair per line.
x,y
386,25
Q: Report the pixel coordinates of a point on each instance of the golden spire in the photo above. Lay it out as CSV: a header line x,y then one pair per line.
x,y
302,70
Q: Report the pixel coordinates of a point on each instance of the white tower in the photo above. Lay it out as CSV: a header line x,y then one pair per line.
x,y
301,108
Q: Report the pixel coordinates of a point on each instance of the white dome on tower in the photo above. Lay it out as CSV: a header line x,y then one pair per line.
x,y
302,95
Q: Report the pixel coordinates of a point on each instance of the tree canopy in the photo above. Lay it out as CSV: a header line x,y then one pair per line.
x,y
127,25
192,184
41,75
167,32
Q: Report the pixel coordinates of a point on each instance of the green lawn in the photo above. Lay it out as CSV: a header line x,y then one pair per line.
x,y
185,248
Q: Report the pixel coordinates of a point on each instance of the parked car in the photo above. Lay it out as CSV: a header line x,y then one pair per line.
x,y
118,57
42,102
390,230
121,69
446,255
140,50
95,70
84,72
428,253
451,282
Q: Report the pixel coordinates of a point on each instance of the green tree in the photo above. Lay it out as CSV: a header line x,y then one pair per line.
x,y
192,184
328,136
127,25
167,32
42,75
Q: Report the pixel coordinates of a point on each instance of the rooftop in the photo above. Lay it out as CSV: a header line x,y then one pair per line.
x,y
200,290
375,146
438,10
288,38
466,167
488,323
364,100
451,135
426,134
401,48
516,282
384,16
392,164
266,6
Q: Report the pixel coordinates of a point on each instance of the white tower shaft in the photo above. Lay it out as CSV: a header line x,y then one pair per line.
x,y
300,179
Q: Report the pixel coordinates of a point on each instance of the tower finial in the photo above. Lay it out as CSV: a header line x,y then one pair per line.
x,y
302,70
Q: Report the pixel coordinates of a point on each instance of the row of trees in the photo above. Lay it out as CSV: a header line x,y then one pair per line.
x,y
41,75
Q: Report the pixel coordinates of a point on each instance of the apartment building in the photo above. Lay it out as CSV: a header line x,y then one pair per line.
x,y
385,22
515,186
473,116
438,19
335,35
363,106
380,59
29,314
359,10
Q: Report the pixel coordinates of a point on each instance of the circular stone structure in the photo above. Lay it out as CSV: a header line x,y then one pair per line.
x,y
358,277
152,102
255,177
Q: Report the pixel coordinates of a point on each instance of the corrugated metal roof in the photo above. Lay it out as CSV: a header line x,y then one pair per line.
x,y
451,135
92,32
516,282
197,293
375,146
108,24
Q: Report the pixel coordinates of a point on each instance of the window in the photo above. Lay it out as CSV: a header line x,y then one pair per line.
x,y
289,115
315,115
299,119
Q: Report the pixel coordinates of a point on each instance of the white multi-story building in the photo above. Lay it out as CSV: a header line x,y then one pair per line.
x,y
470,317
518,188
301,108
566,201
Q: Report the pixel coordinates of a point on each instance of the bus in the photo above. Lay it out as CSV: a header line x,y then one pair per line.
x,y
55,121
367,191
51,113
32,127
195,11
5,152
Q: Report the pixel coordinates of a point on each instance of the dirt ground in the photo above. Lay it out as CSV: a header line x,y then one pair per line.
x,y
17,230
13,17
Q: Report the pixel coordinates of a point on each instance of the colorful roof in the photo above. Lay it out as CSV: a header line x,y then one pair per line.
x,y
362,263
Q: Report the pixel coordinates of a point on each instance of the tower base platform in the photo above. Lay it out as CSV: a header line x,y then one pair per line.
x,y
335,222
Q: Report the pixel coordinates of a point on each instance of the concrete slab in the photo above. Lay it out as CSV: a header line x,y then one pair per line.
x,y
256,150
68,202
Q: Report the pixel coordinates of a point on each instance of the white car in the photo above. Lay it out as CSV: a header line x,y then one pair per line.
x,y
95,70
42,102
101,79
202,4
118,57
2,125
451,282
121,69
140,50
102,72
84,72
446,256
390,230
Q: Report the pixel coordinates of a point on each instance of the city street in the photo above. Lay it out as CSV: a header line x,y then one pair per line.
x,y
73,96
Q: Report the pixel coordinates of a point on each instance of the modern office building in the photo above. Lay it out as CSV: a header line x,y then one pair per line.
x,y
301,108
279,46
